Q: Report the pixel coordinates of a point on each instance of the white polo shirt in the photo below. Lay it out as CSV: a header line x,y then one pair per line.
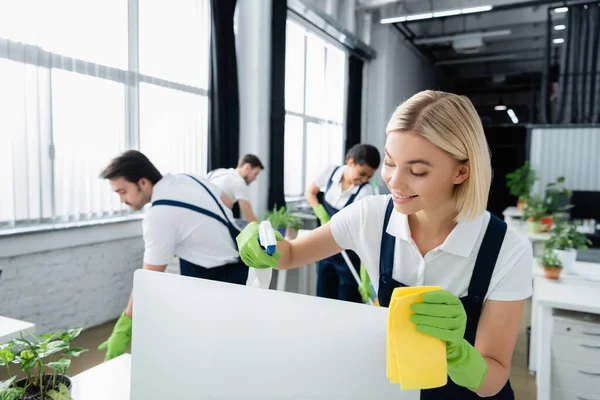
x,y
232,183
195,237
358,227
336,196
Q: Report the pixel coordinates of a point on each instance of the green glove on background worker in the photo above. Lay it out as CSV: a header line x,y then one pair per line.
x,y
120,339
442,315
251,253
321,213
365,289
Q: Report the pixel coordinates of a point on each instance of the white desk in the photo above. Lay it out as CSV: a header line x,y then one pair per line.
x,y
566,294
109,380
12,328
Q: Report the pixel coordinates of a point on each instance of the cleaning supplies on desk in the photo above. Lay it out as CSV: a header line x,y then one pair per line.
x,y
414,360
262,277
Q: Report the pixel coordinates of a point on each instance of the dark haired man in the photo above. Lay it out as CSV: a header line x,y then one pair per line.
x,y
187,218
235,182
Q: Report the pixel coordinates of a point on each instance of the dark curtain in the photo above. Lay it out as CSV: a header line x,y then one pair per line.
x,y
577,98
223,135
278,33
354,101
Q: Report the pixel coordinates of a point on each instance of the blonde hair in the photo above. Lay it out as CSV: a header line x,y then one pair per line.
x,y
451,123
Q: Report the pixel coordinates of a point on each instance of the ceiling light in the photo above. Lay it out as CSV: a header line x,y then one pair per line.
x,y
513,116
558,40
393,20
415,17
561,10
437,14
448,13
500,107
475,9
559,27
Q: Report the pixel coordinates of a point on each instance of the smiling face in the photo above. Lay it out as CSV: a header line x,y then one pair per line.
x,y
358,174
420,175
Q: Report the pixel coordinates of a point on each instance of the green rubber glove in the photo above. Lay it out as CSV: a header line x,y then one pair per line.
x,y
365,289
120,339
321,213
442,315
251,253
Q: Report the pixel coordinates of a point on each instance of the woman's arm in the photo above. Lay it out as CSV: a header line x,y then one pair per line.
x,y
311,195
315,246
496,337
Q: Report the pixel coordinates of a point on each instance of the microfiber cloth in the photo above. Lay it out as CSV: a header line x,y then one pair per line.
x,y
414,360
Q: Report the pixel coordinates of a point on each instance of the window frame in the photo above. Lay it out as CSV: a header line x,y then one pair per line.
x,y
306,118
131,79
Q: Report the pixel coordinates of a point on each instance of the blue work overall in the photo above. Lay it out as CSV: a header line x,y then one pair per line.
x,y
473,302
235,272
335,281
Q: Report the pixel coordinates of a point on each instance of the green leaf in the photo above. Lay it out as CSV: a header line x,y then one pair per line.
x,y
9,345
60,366
53,348
62,394
6,356
71,334
48,337
75,352
6,384
28,359
13,393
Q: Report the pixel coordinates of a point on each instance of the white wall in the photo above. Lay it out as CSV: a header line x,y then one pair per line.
x,y
254,76
78,284
396,74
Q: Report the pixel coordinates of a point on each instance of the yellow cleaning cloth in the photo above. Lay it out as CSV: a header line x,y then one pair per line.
x,y
414,360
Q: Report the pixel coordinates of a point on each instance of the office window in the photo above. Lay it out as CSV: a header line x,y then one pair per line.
x,y
83,81
314,100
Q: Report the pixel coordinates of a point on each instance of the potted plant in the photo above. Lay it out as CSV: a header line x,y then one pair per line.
x,y
556,199
278,217
44,361
551,265
294,224
565,240
520,182
535,210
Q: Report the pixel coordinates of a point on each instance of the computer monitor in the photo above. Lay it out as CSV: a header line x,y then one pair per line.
x,y
586,205
199,339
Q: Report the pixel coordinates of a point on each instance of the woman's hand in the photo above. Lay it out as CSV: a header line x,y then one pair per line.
x,y
251,252
442,315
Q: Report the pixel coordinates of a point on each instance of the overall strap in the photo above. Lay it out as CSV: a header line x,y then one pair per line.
x,y
330,182
192,207
351,199
388,242
486,259
213,197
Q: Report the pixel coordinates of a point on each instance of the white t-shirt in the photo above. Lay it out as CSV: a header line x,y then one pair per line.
x,y
336,196
358,227
232,183
195,237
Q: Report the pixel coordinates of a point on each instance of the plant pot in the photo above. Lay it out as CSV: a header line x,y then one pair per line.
x,y
546,224
551,272
567,258
33,393
282,231
533,226
521,205
291,233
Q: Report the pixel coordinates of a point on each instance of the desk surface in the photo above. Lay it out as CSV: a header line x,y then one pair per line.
x,y
579,295
12,328
110,380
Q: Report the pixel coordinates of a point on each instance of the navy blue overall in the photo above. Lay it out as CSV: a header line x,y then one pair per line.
x,y
473,302
335,280
235,272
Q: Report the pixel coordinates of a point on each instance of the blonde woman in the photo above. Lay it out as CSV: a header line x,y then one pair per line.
x,y
433,230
